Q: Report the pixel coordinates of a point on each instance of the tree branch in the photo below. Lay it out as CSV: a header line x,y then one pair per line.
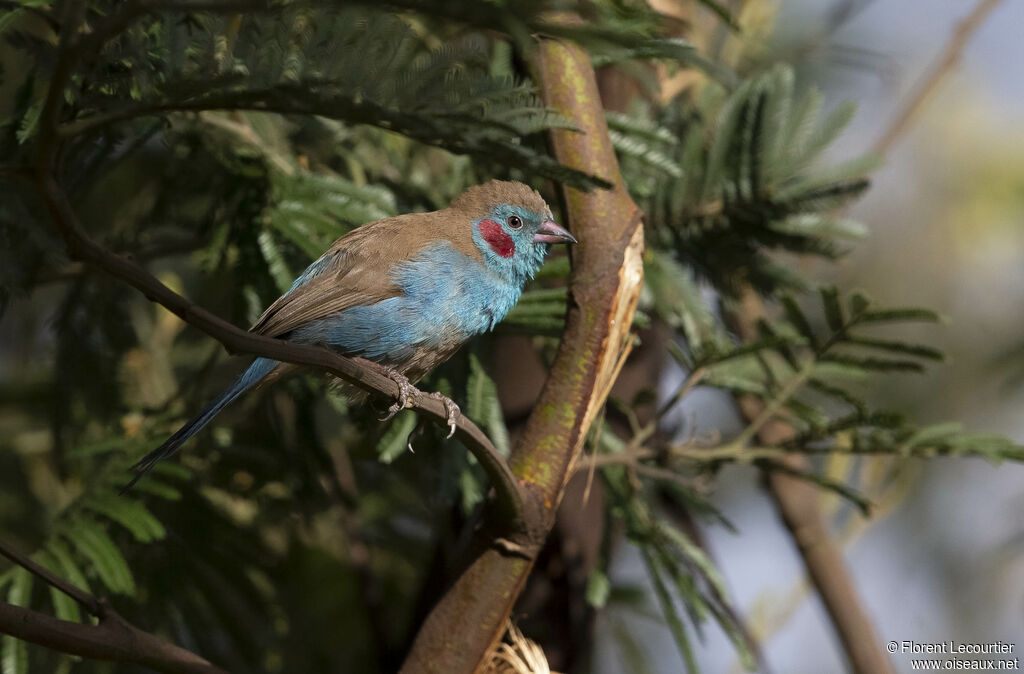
x,y
604,287
113,638
238,341
235,340
797,500
86,600
951,55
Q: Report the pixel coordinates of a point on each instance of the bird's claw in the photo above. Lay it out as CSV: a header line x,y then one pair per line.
x,y
453,412
405,389
416,430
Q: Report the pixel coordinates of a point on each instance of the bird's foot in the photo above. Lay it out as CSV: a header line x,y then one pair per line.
x,y
451,408
453,414
405,389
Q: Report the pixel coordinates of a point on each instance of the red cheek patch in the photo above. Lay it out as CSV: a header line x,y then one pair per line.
x,y
500,242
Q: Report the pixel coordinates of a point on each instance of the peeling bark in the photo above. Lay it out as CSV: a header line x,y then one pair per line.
x,y
604,288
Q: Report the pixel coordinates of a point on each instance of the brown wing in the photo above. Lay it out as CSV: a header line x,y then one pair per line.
x,y
356,272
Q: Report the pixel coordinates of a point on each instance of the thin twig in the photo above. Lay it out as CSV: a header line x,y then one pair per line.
x,y
798,503
689,384
510,497
113,638
772,407
951,55
238,341
87,601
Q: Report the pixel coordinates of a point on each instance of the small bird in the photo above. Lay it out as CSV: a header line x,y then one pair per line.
x,y
404,292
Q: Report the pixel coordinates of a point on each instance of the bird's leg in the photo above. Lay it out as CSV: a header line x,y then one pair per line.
x,y
451,408
405,389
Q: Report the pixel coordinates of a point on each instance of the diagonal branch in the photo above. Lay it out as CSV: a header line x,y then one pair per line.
x,y
798,503
238,341
86,600
605,285
962,34
112,638
80,246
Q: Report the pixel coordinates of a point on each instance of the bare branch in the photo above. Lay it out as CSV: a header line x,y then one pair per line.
x,y
238,341
510,500
797,500
86,600
113,639
604,287
943,66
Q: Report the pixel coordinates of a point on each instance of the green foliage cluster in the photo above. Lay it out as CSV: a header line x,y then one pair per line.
x,y
228,147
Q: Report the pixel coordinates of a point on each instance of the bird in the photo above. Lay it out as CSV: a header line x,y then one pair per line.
x,y
404,292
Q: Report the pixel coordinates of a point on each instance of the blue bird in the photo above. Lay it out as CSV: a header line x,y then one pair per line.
x,y
404,292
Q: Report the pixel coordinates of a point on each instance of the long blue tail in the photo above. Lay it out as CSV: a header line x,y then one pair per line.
x,y
259,369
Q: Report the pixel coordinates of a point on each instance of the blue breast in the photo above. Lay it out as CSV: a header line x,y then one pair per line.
x,y
447,297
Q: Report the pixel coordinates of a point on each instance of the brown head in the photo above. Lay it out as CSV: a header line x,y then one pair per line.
x,y
511,226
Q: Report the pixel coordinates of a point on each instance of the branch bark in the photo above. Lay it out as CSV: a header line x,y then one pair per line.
x,y
237,341
112,638
604,287
798,503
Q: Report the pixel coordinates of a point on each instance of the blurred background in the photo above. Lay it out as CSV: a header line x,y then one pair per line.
x,y
941,559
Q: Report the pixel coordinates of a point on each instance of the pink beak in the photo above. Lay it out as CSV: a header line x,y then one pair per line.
x,y
549,232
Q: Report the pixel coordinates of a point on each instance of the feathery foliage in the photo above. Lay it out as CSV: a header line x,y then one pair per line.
x,y
227,144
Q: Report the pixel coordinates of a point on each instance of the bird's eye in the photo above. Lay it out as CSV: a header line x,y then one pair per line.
x,y
515,222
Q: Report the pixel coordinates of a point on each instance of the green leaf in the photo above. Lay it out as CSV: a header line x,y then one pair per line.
x,y
696,556
820,226
68,567
667,603
8,19
874,364
471,488
64,606
736,376
30,122
931,435
13,655
723,13
798,319
598,589
278,268
838,393
677,298
158,489
93,543
821,135
841,488
833,309
892,346
14,652
484,407
909,315
858,305
130,514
